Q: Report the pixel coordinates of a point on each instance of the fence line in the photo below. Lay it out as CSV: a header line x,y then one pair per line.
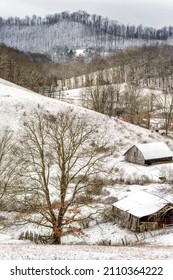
x,y
36,238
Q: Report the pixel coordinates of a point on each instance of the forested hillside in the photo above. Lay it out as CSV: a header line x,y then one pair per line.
x,y
35,52
149,66
61,34
28,70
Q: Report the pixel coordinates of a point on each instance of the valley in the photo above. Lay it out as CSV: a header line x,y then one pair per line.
x,y
118,180
77,91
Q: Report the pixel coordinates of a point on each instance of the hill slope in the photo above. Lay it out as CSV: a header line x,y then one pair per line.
x,y
17,102
62,34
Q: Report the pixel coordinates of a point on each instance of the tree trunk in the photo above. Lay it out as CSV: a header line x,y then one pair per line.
x,y
57,233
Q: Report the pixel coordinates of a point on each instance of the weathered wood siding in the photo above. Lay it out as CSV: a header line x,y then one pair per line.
x,y
150,222
133,223
125,219
134,155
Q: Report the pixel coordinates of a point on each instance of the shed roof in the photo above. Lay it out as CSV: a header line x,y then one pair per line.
x,y
141,203
154,150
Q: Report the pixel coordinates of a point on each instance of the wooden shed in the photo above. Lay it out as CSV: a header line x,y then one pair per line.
x,y
142,211
149,153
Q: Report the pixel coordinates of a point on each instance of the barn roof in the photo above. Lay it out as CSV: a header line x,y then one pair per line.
x,y
141,203
154,150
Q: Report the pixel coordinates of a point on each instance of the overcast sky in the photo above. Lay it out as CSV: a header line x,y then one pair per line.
x,y
156,13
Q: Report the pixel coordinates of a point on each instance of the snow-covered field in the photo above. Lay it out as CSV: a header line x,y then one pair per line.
x,y
17,102
72,252
158,247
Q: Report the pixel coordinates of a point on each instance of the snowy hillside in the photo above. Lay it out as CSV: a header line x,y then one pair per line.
x,y
60,35
16,102
122,177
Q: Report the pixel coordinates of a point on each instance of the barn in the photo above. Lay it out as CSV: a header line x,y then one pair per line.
x,y
143,211
149,153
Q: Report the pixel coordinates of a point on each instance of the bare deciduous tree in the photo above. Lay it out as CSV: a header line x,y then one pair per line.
x,y
138,106
9,177
102,99
165,104
58,154
8,166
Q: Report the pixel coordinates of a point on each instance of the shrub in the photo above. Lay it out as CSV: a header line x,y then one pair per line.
x,y
85,199
107,215
95,186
